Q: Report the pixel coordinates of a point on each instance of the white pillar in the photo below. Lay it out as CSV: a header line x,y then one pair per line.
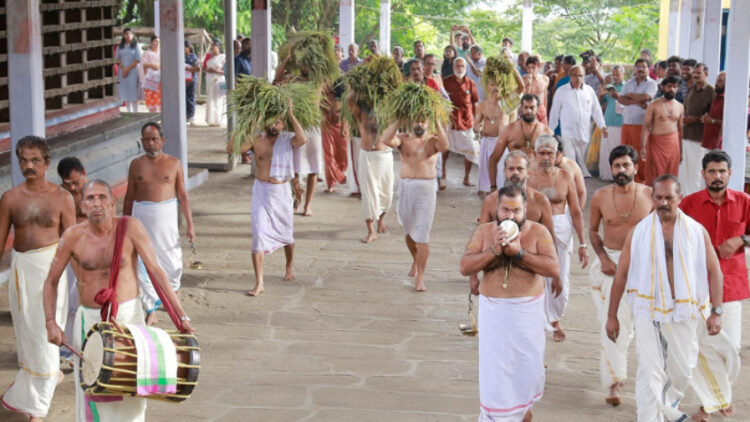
x,y
712,38
156,18
685,27
673,37
230,33
173,88
346,23
385,27
261,36
526,29
737,66
25,80
697,29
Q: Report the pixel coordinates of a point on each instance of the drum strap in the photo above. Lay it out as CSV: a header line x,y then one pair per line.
x,y
107,297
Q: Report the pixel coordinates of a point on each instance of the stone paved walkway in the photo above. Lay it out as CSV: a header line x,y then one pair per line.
x,y
349,340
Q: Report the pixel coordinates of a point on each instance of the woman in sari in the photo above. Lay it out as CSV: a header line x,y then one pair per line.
x,y
151,63
214,77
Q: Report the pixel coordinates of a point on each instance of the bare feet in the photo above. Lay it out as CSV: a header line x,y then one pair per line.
x,y
256,291
527,418
467,182
289,276
419,286
413,270
729,411
151,318
441,184
330,189
614,394
381,227
559,334
306,213
355,195
369,238
35,419
701,416
60,377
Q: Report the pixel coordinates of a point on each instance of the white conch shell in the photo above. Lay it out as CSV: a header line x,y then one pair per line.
x,y
510,227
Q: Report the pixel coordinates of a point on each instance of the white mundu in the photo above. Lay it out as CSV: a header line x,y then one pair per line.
x,y
416,207
555,306
666,325
308,158
32,390
613,357
376,182
486,147
689,172
352,171
462,142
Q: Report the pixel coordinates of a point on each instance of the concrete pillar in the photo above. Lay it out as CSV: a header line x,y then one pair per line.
x,y
737,66
385,27
173,88
673,37
686,22
526,29
697,29
346,24
261,35
156,18
712,38
25,80
230,33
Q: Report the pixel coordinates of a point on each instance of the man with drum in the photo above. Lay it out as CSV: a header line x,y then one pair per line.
x,y
90,245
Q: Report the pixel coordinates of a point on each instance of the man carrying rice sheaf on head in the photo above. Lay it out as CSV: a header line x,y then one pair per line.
x,y
263,112
367,86
418,109
309,56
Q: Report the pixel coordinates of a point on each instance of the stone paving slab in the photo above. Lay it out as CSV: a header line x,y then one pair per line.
x,y
349,340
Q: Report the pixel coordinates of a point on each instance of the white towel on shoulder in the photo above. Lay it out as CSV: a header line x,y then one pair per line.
x,y
282,160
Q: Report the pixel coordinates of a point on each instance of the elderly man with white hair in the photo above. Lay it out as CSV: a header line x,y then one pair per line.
x,y
464,97
574,105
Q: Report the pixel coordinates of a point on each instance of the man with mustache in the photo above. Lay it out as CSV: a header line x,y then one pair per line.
x,y
511,307
617,208
559,187
417,193
661,148
156,189
697,103
39,211
713,118
519,135
724,213
272,208
538,208
671,273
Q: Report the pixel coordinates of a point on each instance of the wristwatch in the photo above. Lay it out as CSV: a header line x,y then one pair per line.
x,y
717,310
745,239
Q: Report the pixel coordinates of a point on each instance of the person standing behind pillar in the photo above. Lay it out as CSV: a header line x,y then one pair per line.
x,y
128,56
635,96
613,119
697,103
192,73
713,119
214,68
151,65
724,213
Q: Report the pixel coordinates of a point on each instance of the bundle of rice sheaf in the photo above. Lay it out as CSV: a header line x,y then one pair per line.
x,y
370,83
499,72
413,103
258,104
310,54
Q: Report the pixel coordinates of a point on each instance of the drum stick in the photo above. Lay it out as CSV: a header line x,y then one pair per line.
x,y
72,349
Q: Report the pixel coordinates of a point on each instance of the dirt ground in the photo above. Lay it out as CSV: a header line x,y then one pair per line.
x,y
349,340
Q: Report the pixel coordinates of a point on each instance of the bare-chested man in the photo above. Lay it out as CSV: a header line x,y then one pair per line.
x,y
90,245
272,207
559,187
417,193
375,170
537,84
73,177
661,136
571,167
511,307
490,120
617,208
156,189
519,135
39,211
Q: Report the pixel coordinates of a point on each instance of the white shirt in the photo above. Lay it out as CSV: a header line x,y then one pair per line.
x,y
574,109
477,78
634,114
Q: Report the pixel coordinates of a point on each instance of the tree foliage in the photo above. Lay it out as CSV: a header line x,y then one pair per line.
x,y
616,29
